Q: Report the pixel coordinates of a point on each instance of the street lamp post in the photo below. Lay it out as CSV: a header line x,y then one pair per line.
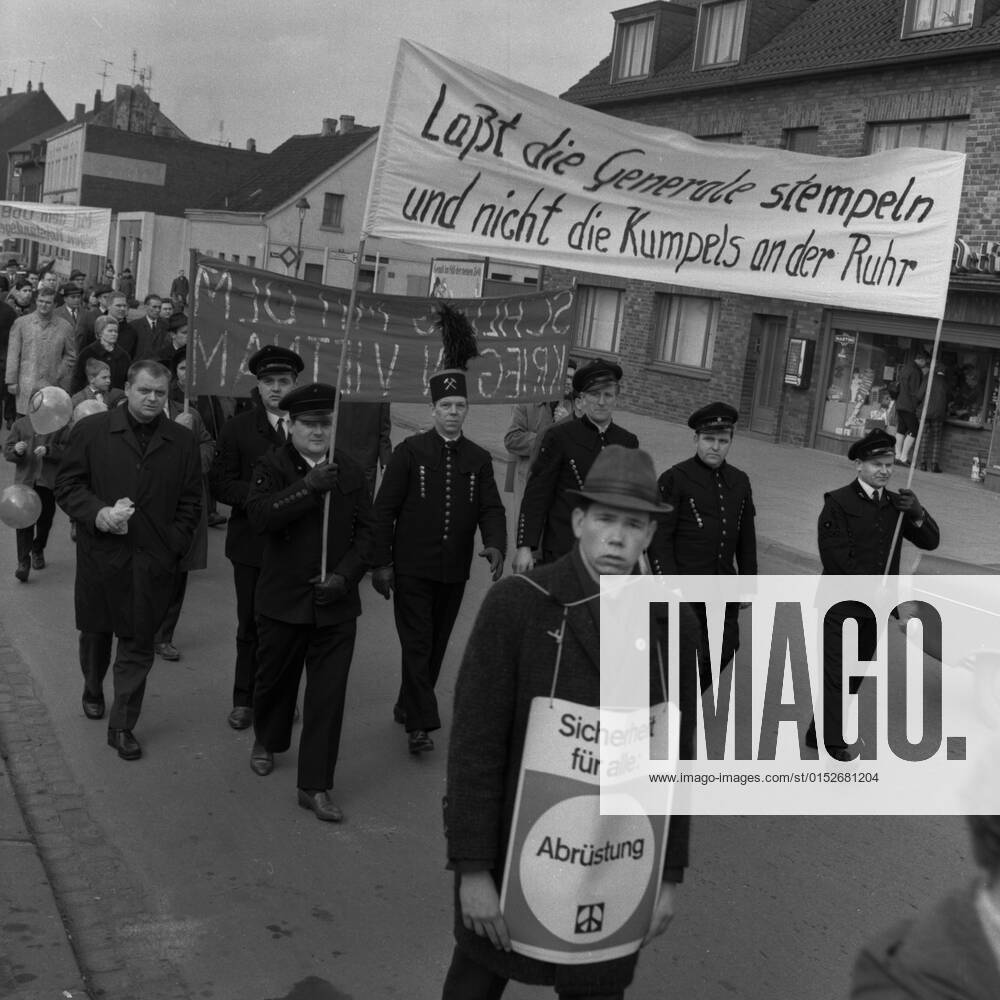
x,y
303,206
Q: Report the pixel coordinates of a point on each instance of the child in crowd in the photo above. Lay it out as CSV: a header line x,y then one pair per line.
x,y
37,458
98,385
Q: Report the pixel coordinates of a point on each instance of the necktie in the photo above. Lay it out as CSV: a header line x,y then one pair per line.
x,y
877,497
282,435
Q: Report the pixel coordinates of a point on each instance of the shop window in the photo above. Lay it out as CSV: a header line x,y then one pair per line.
x,y
685,330
333,207
313,273
937,15
942,133
598,315
633,49
801,140
720,33
865,366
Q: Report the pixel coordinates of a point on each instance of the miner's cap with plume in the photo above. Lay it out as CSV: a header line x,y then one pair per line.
x,y
459,341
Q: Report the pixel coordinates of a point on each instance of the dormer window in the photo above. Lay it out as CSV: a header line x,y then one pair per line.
x,y
633,56
937,15
720,33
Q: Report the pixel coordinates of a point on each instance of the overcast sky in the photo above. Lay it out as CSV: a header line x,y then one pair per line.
x,y
271,69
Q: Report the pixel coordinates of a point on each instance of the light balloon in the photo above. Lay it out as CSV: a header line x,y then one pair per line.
x,y
20,506
88,408
49,409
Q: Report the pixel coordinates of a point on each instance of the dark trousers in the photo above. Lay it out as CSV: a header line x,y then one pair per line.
x,y
133,659
35,538
833,680
425,612
8,406
326,652
468,980
165,633
245,578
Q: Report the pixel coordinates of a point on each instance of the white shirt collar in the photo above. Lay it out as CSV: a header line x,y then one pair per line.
x,y
869,490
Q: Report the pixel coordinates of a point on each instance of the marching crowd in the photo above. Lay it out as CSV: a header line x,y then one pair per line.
x,y
137,473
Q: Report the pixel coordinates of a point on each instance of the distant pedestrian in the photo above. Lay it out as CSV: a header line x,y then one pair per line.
x,y
564,458
304,617
241,442
131,479
196,556
934,409
711,530
856,527
179,288
437,490
528,424
41,351
36,459
912,382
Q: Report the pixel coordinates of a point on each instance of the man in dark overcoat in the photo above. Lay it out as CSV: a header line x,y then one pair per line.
x,y
509,660
564,458
437,489
131,480
241,442
302,616
856,527
711,530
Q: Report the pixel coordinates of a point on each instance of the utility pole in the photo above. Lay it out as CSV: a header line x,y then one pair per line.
x,y
104,76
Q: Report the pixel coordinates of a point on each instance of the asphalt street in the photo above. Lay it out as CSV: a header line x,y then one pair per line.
x,y
185,875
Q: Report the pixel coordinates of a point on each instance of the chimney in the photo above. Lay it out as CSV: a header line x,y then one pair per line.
x,y
41,87
10,90
251,145
78,112
97,100
28,91
346,123
329,127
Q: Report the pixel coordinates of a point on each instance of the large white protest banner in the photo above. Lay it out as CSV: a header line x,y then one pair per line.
x,y
70,227
471,161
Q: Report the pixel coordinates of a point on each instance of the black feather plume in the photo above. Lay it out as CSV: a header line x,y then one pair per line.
x,y
458,337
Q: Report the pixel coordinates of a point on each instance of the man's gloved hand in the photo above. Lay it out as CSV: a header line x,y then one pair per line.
x,y
330,590
111,521
383,580
322,478
495,557
908,503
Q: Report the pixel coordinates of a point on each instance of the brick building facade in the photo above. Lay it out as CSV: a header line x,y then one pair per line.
x,y
838,78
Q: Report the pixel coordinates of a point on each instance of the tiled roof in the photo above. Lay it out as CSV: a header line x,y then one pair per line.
x,y
829,36
12,105
289,168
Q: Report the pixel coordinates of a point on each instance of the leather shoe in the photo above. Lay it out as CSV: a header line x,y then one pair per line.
x,y
936,468
216,520
125,743
23,569
321,804
418,741
261,760
923,466
93,708
38,560
840,754
399,714
167,651
811,736
241,717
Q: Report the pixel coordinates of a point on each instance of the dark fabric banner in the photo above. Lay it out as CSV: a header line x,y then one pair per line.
x,y
394,344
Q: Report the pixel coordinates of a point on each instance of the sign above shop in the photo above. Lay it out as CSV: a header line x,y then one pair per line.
x,y
985,260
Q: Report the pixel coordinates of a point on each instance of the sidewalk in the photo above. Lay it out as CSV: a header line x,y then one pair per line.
x,y
788,486
37,961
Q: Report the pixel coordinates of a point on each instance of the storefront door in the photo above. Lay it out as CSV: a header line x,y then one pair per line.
x,y
765,353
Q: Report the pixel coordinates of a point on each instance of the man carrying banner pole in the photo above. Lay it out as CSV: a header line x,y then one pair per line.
x,y
509,662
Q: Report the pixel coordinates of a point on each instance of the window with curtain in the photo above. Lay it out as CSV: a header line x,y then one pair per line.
x,y
937,15
633,49
942,133
598,315
333,207
685,330
720,33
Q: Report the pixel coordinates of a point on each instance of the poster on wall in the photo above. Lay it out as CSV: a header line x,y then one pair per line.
x,y
457,279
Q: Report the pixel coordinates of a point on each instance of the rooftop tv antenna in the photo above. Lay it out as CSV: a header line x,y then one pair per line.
x,y
135,56
104,76
31,66
41,73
